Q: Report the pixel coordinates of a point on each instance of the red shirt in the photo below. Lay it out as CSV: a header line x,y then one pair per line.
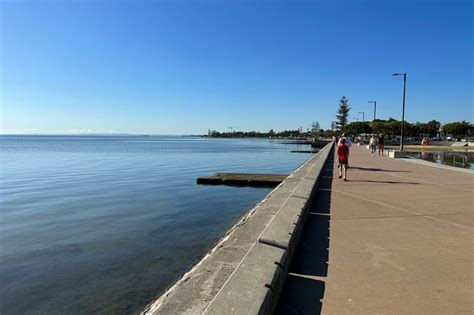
x,y
343,152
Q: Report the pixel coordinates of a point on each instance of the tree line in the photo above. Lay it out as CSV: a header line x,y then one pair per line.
x,y
297,133
392,127
389,128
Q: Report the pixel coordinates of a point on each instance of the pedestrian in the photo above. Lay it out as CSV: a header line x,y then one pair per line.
x,y
347,142
343,158
381,144
373,145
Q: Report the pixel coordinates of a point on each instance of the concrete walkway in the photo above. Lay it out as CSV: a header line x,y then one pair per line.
x,y
397,238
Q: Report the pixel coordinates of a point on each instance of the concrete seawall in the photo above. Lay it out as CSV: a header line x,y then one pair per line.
x,y
245,272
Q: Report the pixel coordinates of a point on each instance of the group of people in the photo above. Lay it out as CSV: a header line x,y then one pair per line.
x,y
343,145
377,142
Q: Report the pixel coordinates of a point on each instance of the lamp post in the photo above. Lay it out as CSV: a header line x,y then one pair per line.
x,y
363,123
403,107
375,112
375,107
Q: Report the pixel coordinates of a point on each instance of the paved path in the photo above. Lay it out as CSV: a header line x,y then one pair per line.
x,y
397,238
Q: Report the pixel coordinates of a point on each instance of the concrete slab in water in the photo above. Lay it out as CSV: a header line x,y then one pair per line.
x,y
243,179
303,151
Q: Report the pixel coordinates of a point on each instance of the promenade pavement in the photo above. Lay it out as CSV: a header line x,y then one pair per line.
x,y
397,238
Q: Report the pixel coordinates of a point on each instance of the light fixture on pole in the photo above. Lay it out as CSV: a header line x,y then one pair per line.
x,y
403,106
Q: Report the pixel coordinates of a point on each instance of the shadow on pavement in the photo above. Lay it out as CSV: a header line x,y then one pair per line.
x,y
304,287
381,181
372,169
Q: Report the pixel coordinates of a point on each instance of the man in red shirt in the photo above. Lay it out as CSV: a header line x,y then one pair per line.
x,y
343,158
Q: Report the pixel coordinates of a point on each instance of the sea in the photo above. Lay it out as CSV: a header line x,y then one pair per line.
x,y
104,224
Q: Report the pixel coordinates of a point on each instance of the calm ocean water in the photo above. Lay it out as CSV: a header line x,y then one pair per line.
x,y
105,224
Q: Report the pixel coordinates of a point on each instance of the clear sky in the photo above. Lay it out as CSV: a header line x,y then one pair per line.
x,y
183,67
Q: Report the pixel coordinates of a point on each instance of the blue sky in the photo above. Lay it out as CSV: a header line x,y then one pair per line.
x,y
183,67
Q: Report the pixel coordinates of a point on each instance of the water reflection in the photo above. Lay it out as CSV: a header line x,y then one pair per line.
x,y
457,159
103,225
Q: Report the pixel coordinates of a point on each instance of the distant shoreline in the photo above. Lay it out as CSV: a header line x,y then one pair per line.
x,y
94,135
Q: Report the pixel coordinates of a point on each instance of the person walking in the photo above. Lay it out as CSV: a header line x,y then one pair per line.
x,y
373,145
343,158
347,142
381,144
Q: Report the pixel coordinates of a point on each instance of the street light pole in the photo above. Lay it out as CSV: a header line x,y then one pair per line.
x,y
363,123
403,107
375,107
375,112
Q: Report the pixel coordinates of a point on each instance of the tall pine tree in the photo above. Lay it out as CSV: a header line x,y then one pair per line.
x,y
342,113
